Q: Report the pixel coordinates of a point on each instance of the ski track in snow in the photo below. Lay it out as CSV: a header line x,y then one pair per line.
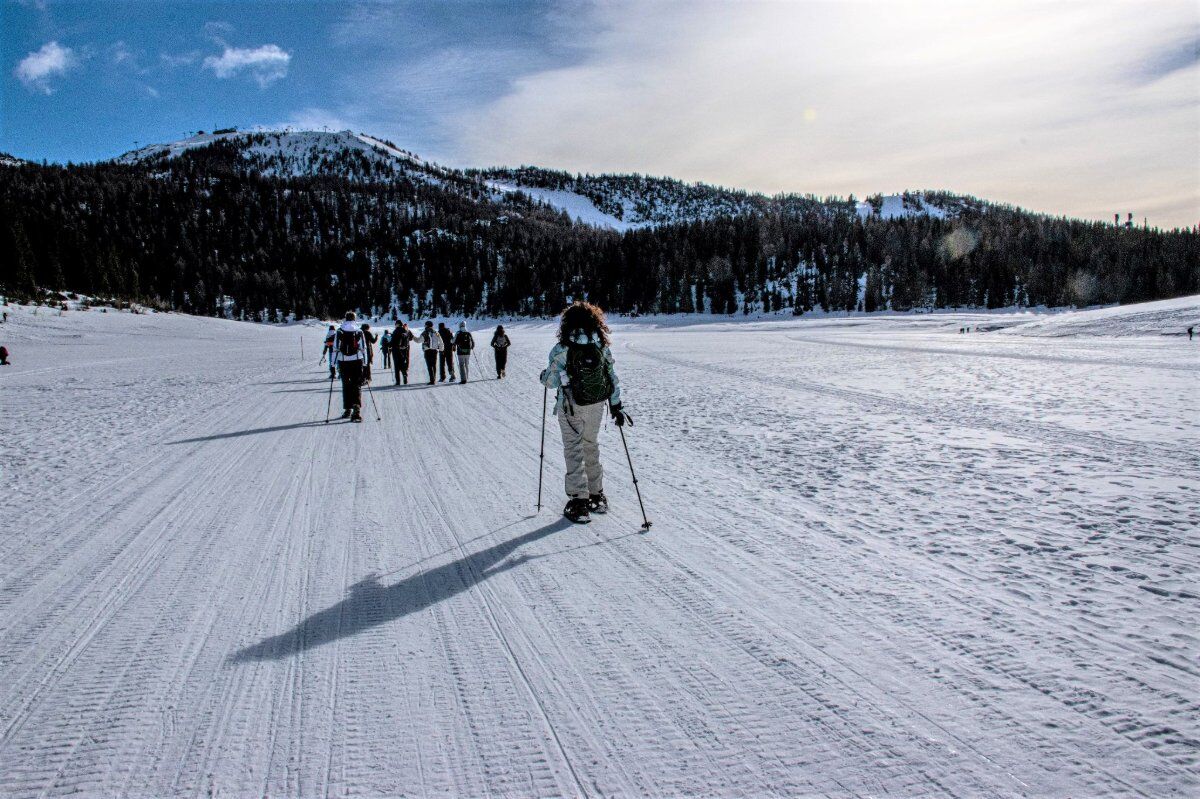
x,y
885,561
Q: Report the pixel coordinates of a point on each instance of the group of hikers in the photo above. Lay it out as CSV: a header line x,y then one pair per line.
x,y
355,343
580,370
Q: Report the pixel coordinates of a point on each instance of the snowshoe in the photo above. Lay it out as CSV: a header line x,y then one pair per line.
x,y
577,511
598,503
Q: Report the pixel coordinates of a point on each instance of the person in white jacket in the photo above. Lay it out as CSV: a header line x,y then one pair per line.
x,y
581,369
350,355
431,345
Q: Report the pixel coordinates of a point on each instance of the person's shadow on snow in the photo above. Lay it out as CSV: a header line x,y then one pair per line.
x,y
371,603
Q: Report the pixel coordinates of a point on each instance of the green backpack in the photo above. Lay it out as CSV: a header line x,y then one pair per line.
x,y
588,373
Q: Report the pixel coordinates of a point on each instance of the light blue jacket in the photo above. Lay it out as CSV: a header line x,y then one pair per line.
x,y
555,374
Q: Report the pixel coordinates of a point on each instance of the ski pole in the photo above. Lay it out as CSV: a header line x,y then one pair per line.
x,y
329,402
371,392
646,522
542,452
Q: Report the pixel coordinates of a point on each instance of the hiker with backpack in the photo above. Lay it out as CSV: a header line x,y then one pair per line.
x,y
349,352
401,337
327,351
581,369
446,354
431,345
500,345
464,342
385,347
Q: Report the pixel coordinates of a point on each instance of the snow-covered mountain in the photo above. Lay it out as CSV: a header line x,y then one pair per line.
x,y
291,153
11,160
618,202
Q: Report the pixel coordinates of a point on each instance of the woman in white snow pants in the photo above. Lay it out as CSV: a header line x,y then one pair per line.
x,y
581,370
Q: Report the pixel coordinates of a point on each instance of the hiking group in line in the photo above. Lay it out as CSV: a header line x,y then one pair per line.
x,y
349,351
580,369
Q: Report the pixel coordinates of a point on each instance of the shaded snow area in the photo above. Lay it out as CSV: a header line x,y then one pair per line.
x,y
576,206
887,559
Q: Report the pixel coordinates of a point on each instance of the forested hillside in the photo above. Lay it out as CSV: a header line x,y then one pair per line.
x,y
266,225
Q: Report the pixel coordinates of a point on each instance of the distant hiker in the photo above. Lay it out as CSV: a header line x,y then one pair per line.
x,y
327,352
1191,330
431,345
581,368
349,352
385,347
464,342
500,344
446,360
401,337
369,338
4,357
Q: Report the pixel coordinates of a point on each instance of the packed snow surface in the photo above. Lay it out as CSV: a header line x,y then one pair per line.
x,y
1164,317
888,558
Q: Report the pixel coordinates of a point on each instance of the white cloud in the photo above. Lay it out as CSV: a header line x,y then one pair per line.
x,y
1043,104
36,69
316,119
266,64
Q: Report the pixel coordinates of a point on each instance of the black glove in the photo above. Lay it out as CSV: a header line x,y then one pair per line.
x,y
619,416
568,403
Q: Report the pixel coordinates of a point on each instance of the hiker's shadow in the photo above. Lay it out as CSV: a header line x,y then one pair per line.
x,y
370,603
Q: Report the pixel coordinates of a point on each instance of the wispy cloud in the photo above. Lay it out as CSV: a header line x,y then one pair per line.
x,y
266,64
37,69
1036,103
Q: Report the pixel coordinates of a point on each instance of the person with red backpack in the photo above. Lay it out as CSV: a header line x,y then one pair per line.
x,y
350,355
581,369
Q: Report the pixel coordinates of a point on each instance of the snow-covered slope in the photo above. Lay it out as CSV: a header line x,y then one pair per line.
x,y
896,206
10,160
624,202
576,206
884,562
1160,318
291,153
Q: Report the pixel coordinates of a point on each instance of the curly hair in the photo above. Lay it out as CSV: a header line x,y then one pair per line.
x,y
584,316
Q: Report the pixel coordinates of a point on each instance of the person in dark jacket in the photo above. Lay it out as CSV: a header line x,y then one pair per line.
x,y
349,352
4,357
500,344
369,338
401,337
385,348
446,360
431,345
464,342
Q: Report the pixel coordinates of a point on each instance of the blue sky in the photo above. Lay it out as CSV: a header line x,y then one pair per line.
x,y
1082,108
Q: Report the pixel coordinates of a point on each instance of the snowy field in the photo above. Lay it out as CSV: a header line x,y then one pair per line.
x,y
888,559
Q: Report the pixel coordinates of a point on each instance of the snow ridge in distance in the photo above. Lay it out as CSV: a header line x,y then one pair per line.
x,y
613,201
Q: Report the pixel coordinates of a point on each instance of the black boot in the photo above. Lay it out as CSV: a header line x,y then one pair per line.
x,y
577,511
346,414
355,416
598,503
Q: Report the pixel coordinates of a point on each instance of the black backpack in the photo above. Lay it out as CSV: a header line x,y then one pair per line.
x,y
588,373
347,343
